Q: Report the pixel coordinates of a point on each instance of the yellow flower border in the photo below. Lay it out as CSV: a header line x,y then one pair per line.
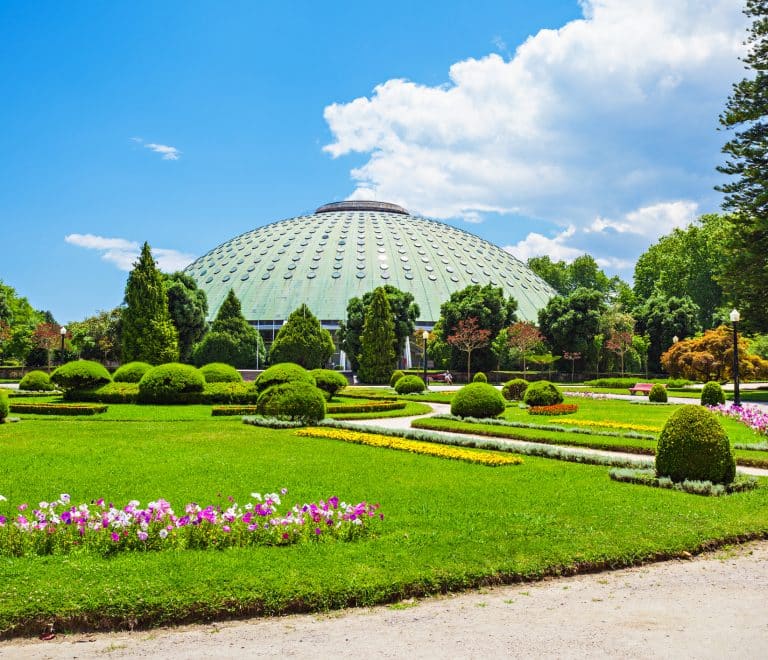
x,y
608,425
488,458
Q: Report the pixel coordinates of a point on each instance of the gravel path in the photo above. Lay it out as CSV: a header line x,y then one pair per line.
x,y
710,607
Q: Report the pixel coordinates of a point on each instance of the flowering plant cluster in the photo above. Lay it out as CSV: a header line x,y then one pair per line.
x,y
554,409
491,459
587,395
59,527
608,424
752,416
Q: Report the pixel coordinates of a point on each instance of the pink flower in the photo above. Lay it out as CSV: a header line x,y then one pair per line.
x,y
142,535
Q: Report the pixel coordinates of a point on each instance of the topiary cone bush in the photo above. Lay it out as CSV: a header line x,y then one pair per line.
x,y
80,375
479,377
410,385
297,400
218,372
131,372
329,381
4,406
694,446
477,400
658,394
171,383
283,372
36,381
396,375
542,393
712,394
514,390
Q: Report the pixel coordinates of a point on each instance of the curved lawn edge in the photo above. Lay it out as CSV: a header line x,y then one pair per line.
x,y
411,409
233,609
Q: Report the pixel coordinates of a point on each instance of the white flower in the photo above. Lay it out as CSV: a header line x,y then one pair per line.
x,y
64,498
163,533
3,499
256,496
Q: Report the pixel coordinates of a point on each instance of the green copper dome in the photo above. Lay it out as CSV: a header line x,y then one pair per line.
x,y
346,249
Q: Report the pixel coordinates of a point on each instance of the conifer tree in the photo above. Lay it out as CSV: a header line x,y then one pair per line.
x,y
744,276
148,335
302,340
377,357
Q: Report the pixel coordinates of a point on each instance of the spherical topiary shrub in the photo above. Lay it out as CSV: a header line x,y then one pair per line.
x,y
658,394
4,406
171,383
218,372
477,400
131,372
296,400
694,446
81,375
479,377
542,393
36,381
329,381
283,372
410,385
514,390
396,375
712,394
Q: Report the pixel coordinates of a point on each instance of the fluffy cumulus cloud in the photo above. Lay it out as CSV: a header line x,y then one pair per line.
x,y
123,253
600,128
167,152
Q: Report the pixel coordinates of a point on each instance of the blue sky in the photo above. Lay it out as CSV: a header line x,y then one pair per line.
x,y
556,127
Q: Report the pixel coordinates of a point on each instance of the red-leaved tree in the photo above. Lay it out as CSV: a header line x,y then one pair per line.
x,y
619,343
524,336
467,337
48,337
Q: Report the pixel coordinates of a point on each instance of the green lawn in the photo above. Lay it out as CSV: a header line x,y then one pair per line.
x,y
747,396
448,524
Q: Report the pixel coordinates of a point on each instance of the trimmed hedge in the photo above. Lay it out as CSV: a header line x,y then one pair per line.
x,y
477,400
410,385
4,406
542,393
626,383
658,394
396,375
218,372
329,381
171,383
284,372
693,446
514,390
131,372
712,394
235,393
297,401
81,375
479,377
213,393
372,406
36,381
58,408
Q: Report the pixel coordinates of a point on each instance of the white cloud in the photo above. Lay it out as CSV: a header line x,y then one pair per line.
x,y
536,245
123,253
167,152
599,119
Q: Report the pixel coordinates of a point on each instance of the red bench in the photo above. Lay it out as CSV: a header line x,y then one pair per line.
x,y
643,388
440,378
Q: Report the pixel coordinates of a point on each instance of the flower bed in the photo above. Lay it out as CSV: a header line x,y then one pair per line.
x,y
555,409
752,416
58,408
607,424
59,527
649,478
414,446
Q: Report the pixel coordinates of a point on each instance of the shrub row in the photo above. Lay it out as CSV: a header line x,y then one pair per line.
x,y
58,408
371,406
623,383
213,393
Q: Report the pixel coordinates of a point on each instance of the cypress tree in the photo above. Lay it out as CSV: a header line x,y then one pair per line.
x,y
302,340
148,335
377,357
744,275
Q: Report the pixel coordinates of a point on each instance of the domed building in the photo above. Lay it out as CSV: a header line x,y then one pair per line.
x,y
345,249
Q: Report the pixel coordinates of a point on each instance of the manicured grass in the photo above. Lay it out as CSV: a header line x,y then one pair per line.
x,y
448,524
747,396
411,408
389,393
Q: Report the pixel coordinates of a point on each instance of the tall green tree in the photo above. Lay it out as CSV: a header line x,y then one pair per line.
x,y
493,312
662,319
232,339
302,340
19,320
148,335
188,306
404,314
745,272
582,272
97,337
377,358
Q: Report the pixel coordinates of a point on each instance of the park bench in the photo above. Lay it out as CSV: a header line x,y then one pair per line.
x,y
643,388
440,378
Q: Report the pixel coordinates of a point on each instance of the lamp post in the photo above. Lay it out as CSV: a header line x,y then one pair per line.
x,y
735,316
425,336
675,339
63,332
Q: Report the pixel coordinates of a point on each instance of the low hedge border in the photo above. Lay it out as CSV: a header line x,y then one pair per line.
x,y
58,408
213,393
525,448
331,408
649,478
272,422
30,394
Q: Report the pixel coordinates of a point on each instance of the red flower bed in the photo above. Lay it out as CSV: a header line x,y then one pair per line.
x,y
556,409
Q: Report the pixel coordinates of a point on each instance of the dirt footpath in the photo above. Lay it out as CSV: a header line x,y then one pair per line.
x,y
713,606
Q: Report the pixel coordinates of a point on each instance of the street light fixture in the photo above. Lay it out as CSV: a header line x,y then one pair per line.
x,y
63,332
675,339
735,317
